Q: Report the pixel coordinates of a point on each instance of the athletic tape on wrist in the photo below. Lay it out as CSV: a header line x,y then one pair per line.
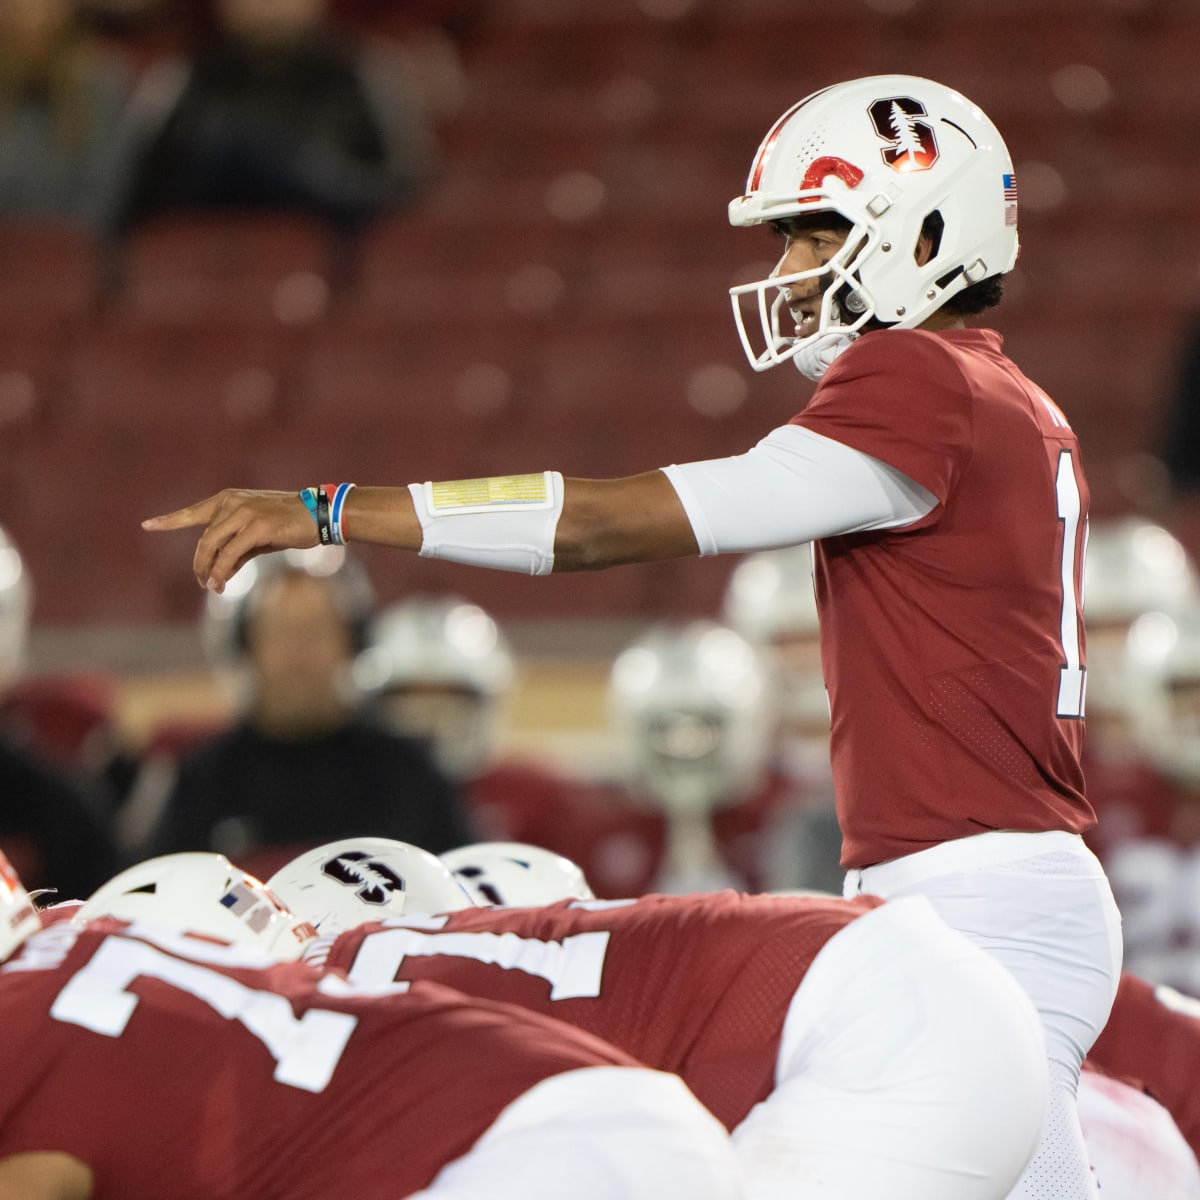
x,y
506,522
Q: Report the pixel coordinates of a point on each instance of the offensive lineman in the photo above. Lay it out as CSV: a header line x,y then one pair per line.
x,y
854,1048
946,496
142,1061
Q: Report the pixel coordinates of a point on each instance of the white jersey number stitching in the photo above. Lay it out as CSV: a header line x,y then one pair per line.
x,y
306,1049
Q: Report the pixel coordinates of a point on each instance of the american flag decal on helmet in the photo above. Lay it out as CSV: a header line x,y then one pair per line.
x,y
247,904
1010,199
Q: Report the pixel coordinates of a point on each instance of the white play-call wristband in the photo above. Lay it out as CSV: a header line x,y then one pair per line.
x,y
506,522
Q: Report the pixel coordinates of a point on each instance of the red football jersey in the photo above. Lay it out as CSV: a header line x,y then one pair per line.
x,y
953,648
1152,1039
173,1067
698,985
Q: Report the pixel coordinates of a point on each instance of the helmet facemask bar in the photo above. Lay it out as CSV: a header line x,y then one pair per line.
x,y
779,347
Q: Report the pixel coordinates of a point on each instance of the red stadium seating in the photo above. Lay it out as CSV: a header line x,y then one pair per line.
x,y
267,269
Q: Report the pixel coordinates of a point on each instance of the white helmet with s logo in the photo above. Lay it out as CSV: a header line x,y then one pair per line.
x,y
884,153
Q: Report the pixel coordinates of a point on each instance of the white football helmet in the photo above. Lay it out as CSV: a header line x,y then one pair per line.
x,y
18,919
516,874
16,603
1163,650
883,153
346,883
438,667
693,710
1132,567
202,893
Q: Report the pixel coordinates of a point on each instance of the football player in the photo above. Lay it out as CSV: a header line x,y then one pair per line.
x,y
946,496
855,1048
175,1056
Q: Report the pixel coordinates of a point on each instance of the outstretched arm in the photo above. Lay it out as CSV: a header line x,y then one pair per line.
x,y
602,522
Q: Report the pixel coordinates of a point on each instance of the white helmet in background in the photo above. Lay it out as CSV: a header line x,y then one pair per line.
x,y
1163,652
16,604
349,882
202,893
223,625
18,918
438,667
884,153
1132,567
516,874
693,710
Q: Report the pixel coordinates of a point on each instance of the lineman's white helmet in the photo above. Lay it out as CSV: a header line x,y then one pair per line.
x,y
16,602
883,153
18,920
516,874
693,710
346,883
438,667
202,893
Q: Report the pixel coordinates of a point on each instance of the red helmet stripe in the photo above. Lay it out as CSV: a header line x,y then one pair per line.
x,y
768,143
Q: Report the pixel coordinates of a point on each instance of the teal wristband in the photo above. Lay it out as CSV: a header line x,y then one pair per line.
x,y
309,496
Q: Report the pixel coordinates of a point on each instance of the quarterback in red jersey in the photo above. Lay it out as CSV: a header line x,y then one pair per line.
x,y
854,1048
946,496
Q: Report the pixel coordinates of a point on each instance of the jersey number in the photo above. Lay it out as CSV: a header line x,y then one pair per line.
x,y
1072,676
572,967
305,1049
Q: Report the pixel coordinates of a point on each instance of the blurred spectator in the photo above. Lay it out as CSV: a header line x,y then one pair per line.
x,y
50,828
62,99
441,668
278,110
303,765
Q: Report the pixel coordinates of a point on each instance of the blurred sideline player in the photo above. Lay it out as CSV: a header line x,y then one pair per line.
x,y
947,499
770,601
54,818
441,668
1152,852
692,710
854,1048
1134,567
254,1077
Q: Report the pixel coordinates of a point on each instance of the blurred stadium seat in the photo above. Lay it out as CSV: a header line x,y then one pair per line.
x,y
267,269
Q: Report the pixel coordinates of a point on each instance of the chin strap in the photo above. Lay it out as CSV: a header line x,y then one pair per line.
x,y
815,358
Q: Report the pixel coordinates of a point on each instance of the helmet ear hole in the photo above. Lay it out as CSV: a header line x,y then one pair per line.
x,y
932,229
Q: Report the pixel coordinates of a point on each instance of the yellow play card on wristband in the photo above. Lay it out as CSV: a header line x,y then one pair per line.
x,y
493,493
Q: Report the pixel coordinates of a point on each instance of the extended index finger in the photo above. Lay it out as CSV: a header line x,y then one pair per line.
x,y
200,513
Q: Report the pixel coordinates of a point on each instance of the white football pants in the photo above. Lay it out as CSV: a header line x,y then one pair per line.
x,y
912,1067
597,1133
1040,904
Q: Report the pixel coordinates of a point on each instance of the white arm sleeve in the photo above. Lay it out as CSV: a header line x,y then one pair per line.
x,y
794,486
